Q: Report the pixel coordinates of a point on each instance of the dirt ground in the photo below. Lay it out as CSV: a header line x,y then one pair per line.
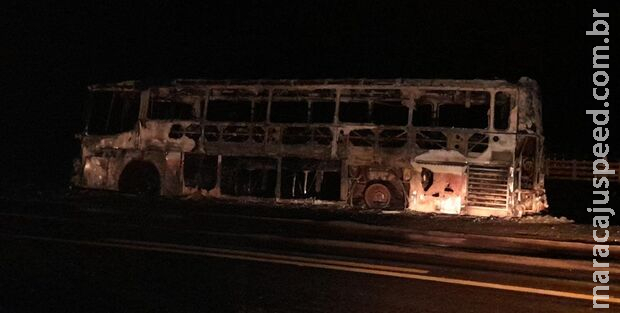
x,y
547,226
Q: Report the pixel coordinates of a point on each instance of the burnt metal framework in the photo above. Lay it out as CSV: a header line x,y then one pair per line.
x,y
452,146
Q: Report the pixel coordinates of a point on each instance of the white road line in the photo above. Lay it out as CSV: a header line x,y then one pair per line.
x,y
316,263
41,217
272,256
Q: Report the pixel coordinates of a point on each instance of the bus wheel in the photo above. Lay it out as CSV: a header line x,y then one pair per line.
x,y
377,196
141,178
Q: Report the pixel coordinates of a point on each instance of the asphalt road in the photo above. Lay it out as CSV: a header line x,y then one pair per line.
x,y
54,258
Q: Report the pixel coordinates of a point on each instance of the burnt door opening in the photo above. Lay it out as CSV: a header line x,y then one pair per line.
x,y
249,176
310,178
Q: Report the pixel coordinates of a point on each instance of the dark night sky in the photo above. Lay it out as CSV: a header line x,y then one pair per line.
x,y
50,53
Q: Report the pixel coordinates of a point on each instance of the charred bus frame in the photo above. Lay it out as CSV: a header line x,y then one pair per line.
x,y
452,146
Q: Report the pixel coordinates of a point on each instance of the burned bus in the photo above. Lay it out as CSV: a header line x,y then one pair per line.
x,y
470,147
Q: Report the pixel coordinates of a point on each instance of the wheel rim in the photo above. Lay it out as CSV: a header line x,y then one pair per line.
x,y
377,196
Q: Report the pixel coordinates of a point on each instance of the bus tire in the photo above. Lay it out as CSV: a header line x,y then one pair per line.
x,y
377,195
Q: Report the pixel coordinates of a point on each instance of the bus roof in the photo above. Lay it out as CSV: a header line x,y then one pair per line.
x,y
315,83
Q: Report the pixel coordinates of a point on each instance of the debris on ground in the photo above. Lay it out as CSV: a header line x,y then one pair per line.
x,y
544,219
